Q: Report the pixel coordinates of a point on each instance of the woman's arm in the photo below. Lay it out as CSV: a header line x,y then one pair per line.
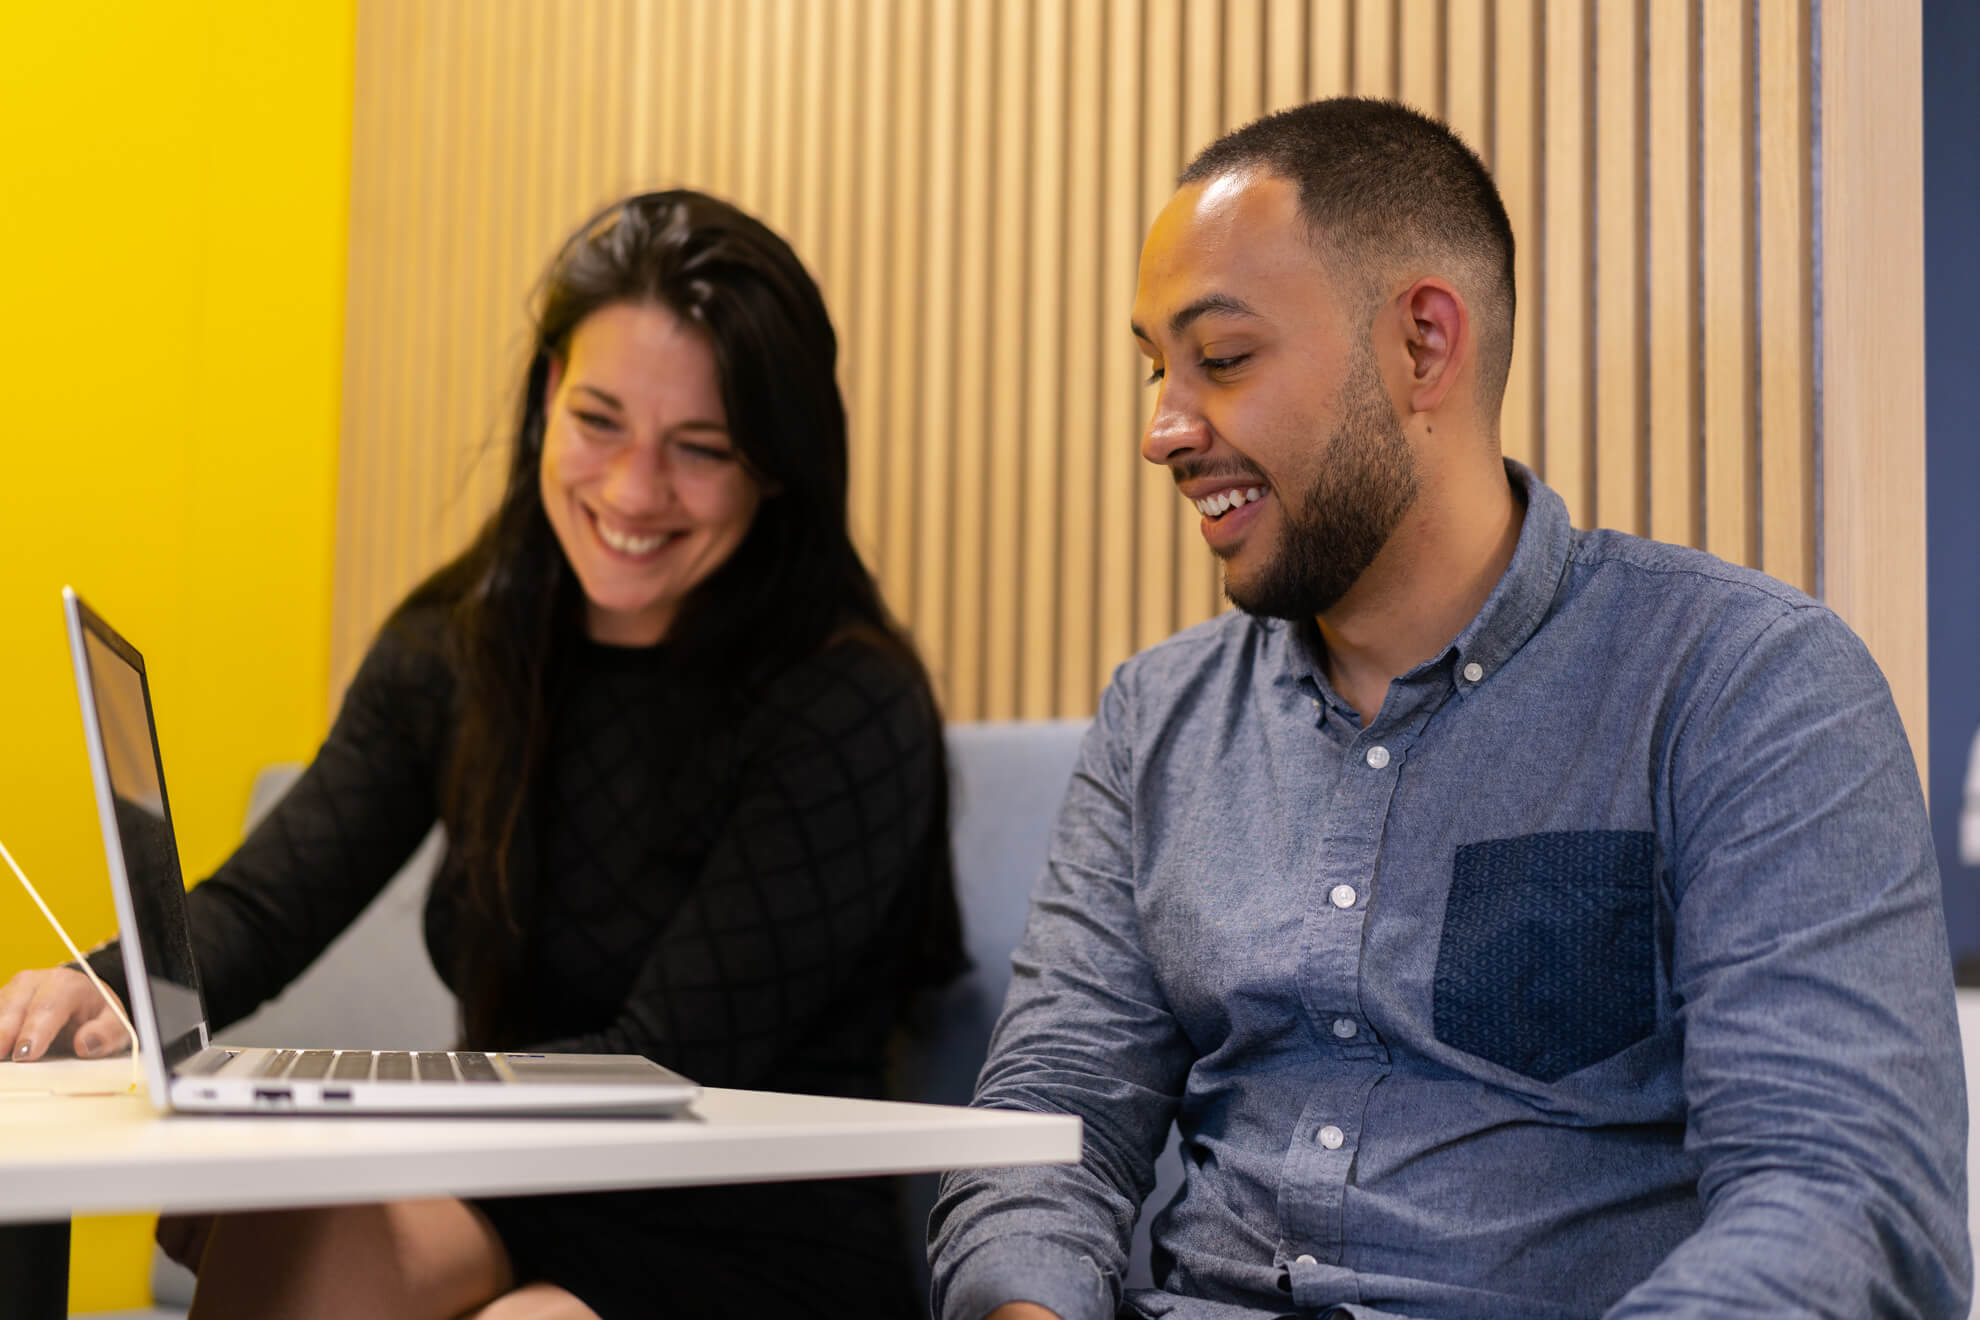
x,y
348,824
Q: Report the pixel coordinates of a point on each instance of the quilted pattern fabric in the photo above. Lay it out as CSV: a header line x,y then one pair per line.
x,y
1548,957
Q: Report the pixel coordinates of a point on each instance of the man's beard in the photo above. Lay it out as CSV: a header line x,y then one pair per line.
x,y
1366,483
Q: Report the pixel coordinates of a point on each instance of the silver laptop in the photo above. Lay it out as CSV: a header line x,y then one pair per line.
x,y
188,1072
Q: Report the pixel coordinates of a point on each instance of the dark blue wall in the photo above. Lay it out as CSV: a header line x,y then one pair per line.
x,y
1952,446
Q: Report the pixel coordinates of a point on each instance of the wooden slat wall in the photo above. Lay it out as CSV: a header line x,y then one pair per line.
x,y
970,180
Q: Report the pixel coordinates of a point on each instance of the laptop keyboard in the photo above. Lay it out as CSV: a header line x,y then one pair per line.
x,y
429,1067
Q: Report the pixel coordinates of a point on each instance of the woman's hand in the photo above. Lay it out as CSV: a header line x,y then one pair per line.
x,y
56,1008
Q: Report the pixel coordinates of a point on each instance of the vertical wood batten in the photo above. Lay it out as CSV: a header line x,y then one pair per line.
x,y
1466,57
1618,206
1726,248
1121,407
1783,243
1566,261
754,58
1244,65
393,505
907,308
482,271
1285,53
1156,564
360,349
1006,311
1047,443
1329,48
965,604
927,615
1670,333
1080,419
1873,340
1420,55
1517,93
808,222
1205,75
1374,26
864,313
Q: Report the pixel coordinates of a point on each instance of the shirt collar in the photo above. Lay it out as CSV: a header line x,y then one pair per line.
x,y
1520,602
1518,605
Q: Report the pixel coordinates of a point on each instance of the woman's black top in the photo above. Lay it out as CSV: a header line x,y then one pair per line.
x,y
722,876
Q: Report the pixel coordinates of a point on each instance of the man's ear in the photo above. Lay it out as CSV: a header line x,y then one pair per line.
x,y
1437,331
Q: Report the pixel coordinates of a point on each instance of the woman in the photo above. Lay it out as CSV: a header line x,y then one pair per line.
x,y
694,794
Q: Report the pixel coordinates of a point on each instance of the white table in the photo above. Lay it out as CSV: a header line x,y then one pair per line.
x,y
75,1139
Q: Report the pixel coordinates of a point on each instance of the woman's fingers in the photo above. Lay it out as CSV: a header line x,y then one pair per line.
x,y
39,1010
14,997
102,1033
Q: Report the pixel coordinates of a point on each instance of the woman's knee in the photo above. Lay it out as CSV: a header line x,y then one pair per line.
x,y
535,1301
435,1258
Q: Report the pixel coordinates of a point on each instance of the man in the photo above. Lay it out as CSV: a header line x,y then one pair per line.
x,y
1517,921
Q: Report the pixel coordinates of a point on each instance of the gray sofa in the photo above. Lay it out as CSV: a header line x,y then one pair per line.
x,y
374,986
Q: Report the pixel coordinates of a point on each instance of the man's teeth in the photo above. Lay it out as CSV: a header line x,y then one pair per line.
x,y
628,544
1215,506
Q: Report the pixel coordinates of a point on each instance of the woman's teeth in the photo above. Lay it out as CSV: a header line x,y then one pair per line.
x,y
626,543
1215,506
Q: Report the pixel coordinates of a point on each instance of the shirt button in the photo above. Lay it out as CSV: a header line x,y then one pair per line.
x,y
1331,1137
1378,757
1474,671
1343,1027
1304,1260
1343,896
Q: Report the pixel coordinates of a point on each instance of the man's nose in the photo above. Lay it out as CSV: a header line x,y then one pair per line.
x,y
1175,430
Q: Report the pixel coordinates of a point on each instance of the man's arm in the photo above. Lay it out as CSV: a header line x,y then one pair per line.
x,y
1822,1068
1085,1030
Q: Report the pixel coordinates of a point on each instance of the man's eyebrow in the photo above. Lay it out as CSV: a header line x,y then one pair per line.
x,y
1209,302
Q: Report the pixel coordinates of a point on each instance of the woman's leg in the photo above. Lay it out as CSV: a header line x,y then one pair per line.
x,y
436,1258
535,1301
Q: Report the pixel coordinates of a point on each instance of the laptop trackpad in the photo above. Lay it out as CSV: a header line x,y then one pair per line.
x,y
609,1069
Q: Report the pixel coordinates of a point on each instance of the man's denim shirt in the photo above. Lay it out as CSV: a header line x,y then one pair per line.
x,y
1603,973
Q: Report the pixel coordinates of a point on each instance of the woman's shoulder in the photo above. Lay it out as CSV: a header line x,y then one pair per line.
x,y
412,651
861,674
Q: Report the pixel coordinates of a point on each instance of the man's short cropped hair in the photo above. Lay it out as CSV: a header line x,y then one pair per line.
x,y
1381,185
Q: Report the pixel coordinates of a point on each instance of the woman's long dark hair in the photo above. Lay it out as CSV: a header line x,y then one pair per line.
x,y
793,587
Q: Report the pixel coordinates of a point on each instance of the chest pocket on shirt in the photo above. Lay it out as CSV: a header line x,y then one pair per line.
x,y
1547,961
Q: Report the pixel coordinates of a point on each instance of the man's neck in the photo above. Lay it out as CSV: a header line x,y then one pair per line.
x,y
1431,580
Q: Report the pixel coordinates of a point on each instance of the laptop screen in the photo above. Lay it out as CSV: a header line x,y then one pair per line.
x,y
125,749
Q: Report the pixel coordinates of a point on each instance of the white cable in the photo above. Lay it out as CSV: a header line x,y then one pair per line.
x,y
137,1072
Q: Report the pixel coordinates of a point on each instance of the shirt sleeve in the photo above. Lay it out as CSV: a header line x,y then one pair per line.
x,y
1822,1072
326,849
809,883
1086,1030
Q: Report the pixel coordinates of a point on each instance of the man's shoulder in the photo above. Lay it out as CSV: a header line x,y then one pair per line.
x,y
1626,570
1230,641
1706,616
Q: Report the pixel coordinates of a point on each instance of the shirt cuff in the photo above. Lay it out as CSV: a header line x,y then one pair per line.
x,y
1027,1269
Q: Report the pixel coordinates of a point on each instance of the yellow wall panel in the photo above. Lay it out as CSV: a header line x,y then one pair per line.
x,y
177,212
